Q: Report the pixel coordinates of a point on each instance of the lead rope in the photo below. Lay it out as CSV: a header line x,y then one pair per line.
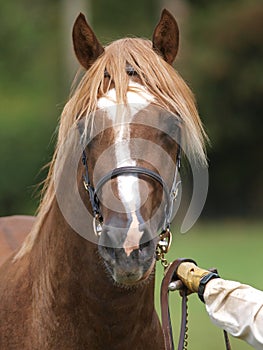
x,y
183,338
170,283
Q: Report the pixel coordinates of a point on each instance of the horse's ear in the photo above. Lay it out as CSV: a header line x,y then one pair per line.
x,y
86,46
166,37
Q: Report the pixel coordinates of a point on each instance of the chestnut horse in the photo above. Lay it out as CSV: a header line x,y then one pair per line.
x,y
84,277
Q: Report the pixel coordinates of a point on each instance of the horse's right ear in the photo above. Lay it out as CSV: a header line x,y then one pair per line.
x,y
86,46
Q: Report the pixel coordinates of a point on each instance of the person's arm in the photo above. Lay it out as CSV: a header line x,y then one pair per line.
x,y
233,306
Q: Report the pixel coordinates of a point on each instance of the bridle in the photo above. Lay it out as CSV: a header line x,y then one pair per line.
x,y
168,283
170,194
164,244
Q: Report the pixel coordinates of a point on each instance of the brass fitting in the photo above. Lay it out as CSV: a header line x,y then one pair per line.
x,y
190,275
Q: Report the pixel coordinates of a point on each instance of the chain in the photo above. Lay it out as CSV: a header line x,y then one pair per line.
x,y
164,261
183,338
186,325
163,247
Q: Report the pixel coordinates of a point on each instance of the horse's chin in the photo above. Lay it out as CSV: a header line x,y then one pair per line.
x,y
128,279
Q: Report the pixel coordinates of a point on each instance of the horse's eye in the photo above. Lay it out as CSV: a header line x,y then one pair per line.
x,y
131,71
106,74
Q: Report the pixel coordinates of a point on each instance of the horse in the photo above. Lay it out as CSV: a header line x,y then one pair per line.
x,y
84,276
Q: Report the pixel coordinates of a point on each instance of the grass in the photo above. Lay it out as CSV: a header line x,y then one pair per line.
x,y
235,249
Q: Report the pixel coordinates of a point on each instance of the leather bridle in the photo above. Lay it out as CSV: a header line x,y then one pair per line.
x,y
169,281
170,194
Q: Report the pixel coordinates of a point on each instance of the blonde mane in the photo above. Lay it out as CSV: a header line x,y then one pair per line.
x,y
161,80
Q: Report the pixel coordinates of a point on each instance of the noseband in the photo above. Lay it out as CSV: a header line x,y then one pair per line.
x,y
93,192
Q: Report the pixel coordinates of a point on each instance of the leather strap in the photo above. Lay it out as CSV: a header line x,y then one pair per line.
x,y
132,170
170,276
170,195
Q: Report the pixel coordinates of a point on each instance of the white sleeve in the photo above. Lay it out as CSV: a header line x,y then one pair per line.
x,y
237,308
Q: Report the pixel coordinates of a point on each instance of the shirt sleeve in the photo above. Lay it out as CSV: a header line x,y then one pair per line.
x,y
237,308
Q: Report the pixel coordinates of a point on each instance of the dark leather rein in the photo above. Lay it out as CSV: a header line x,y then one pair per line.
x,y
170,282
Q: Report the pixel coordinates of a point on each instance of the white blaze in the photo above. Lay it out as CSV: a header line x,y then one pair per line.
x,y
128,186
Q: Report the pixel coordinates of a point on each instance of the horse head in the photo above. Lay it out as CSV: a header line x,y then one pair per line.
x,y
132,142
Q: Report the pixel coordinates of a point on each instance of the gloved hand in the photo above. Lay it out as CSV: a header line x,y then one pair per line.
x,y
194,278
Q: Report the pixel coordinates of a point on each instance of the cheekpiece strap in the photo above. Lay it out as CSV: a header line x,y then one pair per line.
x,y
90,189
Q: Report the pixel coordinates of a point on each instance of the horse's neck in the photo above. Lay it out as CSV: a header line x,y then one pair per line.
x,y
71,282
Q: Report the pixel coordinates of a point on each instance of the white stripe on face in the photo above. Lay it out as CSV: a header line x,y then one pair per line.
x,y
138,98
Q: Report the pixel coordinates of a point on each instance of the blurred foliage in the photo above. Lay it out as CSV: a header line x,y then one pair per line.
x,y
28,97
116,19
221,58
224,65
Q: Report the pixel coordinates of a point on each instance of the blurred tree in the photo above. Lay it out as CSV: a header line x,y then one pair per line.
x,y
28,95
113,19
224,65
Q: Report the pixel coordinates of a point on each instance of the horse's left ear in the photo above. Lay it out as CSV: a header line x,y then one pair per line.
x,y
86,45
166,37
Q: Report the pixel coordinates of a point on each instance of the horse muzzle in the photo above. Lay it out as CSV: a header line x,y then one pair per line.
x,y
127,263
